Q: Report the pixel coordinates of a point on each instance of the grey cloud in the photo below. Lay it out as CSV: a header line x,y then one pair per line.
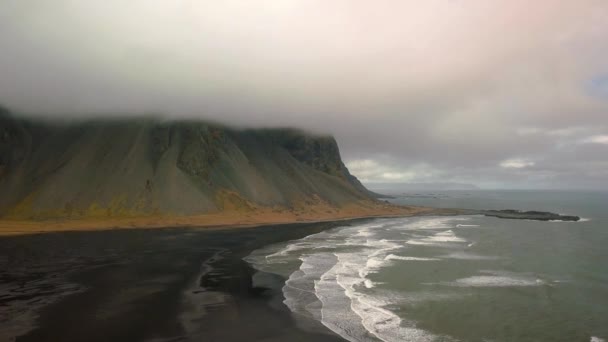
x,y
425,90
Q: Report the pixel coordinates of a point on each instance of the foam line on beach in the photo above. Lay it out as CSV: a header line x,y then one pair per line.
x,y
335,284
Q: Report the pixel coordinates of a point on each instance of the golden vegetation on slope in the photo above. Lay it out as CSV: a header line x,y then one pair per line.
x,y
237,217
147,172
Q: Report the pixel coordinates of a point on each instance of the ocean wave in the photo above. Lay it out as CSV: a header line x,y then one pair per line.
x,y
372,314
285,251
496,279
467,256
299,290
581,219
408,258
447,236
335,285
442,238
346,306
427,223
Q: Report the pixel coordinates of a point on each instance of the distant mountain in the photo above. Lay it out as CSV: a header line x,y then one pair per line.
x,y
396,188
146,166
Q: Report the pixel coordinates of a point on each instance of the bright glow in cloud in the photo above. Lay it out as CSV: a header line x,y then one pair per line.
x,y
528,130
597,139
516,163
398,176
373,171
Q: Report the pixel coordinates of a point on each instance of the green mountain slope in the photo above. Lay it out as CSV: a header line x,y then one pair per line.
x,y
134,167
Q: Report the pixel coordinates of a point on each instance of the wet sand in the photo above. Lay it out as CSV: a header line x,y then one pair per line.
x,y
172,284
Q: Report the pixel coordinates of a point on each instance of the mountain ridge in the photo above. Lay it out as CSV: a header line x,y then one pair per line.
x,y
127,167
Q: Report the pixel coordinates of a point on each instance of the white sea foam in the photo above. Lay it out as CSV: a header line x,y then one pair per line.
x,y
369,284
447,236
332,283
285,251
373,316
434,223
496,279
335,277
299,290
364,233
414,298
420,242
442,238
582,219
375,260
336,313
468,256
347,308
408,258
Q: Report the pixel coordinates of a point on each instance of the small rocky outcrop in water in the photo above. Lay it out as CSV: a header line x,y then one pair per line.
x,y
528,215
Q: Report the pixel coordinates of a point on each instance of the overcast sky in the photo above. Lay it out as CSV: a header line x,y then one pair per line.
x,y
498,93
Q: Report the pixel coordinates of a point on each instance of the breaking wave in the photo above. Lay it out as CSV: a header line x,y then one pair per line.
x,y
334,284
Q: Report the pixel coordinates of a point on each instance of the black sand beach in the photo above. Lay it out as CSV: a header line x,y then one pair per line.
x,y
145,285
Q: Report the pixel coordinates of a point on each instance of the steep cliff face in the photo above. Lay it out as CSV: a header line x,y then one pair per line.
x,y
135,167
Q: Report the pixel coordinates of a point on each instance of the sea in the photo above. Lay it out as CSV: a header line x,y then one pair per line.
x,y
454,278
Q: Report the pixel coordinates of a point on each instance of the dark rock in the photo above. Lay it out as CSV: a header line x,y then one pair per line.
x,y
528,215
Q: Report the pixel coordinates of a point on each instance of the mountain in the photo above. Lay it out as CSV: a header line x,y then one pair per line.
x,y
146,166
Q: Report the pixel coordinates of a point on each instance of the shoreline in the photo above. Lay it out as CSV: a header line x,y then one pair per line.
x,y
257,218
144,284
223,220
